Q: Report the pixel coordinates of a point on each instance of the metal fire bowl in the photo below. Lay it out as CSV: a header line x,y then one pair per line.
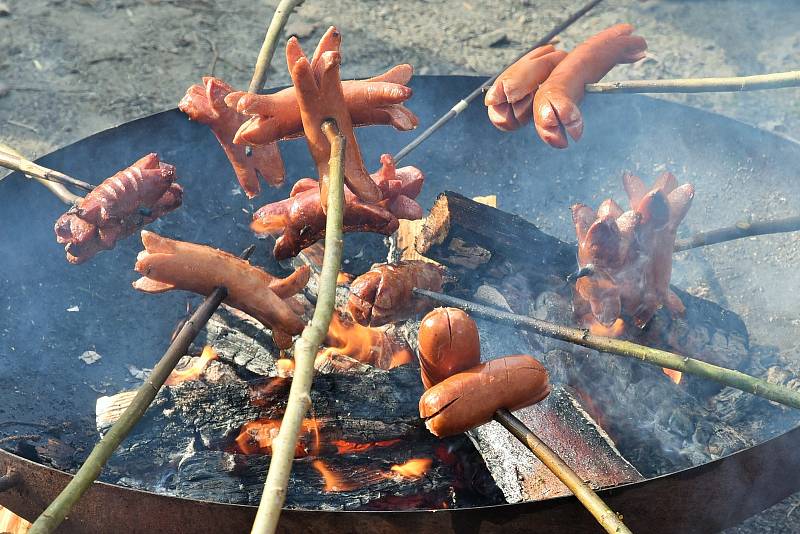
x,y
735,168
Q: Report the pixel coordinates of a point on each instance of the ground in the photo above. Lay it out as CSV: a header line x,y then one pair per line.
x,y
69,68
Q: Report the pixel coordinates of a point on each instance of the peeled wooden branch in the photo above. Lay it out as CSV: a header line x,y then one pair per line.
x,y
52,180
661,358
700,85
58,510
588,498
282,12
738,231
305,349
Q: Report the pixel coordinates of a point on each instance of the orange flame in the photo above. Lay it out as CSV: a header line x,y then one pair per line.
x,y
285,367
195,370
412,469
368,345
349,447
673,375
256,437
343,278
333,482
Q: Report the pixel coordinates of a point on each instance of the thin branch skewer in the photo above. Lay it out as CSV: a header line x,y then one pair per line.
x,y
661,358
282,12
305,348
58,510
462,104
738,231
19,163
588,498
62,193
775,80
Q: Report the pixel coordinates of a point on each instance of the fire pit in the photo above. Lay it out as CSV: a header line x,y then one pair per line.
x,y
54,313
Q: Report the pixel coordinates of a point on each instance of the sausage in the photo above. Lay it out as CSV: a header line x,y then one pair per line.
x,y
555,104
631,253
470,398
448,344
320,97
377,100
384,293
299,220
509,99
167,264
116,197
120,205
206,104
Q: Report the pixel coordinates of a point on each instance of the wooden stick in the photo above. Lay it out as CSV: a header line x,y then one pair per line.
x,y
58,510
305,349
19,163
462,104
700,85
661,358
588,498
61,192
738,231
282,12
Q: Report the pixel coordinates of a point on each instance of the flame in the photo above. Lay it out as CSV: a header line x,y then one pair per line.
x,y
412,469
615,330
195,370
368,345
349,447
333,482
285,367
343,278
256,437
673,375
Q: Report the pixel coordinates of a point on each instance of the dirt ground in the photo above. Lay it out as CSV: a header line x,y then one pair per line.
x,y
69,68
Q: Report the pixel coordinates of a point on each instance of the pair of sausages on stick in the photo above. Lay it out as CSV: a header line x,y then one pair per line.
x,y
463,393
548,84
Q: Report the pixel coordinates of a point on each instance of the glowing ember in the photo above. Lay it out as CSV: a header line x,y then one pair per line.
x,y
348,447
343,278
256,437
673,375
195,370
333,482
412,469
372,346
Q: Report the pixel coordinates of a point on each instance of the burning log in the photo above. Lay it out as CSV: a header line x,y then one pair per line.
x,y
215,434
476,240
563,423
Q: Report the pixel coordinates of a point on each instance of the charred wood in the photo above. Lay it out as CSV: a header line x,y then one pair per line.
x,y
561,422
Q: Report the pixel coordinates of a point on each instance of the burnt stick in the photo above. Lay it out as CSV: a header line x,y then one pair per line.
x,y
58,510
729,377
588,498
463,103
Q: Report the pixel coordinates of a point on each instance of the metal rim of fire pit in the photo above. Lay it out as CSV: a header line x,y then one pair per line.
x,y
704,498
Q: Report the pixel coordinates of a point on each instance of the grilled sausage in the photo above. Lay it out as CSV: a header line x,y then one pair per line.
x,y
167,264
320,97
132,198
384,293
276,116
470,398
555,104
509,99
300,220
448,344
206,104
